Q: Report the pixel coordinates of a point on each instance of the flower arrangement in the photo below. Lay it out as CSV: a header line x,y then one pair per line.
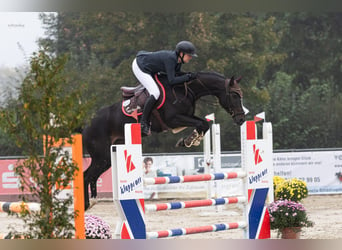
x,y
292,189
286,213
96,228
277,180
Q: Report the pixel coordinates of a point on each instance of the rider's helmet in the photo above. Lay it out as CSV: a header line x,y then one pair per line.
x,y
186,47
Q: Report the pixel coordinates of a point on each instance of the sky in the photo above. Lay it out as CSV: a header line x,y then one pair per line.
x,y
22,28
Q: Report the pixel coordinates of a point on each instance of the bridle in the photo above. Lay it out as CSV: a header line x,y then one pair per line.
x,y
229,90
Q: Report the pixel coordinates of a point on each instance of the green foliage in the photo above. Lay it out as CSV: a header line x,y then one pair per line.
x,y
290,64
47,110
102,46
305,91
303,118
312,43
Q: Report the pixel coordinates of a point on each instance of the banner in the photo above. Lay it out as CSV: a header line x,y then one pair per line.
x,y
321,170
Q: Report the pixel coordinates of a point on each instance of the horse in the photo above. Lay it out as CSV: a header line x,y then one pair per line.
x,y
106,128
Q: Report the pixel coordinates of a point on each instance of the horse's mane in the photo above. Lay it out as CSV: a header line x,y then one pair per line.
x,y
212,73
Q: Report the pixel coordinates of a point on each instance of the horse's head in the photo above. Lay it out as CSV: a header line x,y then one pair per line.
x,y
231,100
226,90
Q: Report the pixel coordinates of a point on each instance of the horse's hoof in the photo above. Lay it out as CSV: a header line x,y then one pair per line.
x,y
180,143
92,203
198,140
191,139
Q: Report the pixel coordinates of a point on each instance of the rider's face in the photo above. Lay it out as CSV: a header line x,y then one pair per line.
x,y
186,57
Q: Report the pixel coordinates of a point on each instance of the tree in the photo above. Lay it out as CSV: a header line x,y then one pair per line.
x,y
312,42
102,46
46,111
303,118
257,46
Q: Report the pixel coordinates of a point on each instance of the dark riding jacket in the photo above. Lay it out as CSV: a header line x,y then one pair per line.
x,y
163,61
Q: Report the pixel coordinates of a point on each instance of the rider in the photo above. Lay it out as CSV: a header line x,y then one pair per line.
x,y
146,64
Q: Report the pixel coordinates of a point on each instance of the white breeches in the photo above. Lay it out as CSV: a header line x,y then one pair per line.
x,y
146,80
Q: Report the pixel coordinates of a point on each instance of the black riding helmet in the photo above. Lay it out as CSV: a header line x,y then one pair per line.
x,y
187,48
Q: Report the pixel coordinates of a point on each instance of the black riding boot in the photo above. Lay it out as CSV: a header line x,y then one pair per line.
x,y
145,119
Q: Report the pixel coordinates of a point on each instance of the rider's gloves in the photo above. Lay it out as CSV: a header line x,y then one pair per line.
x,y
191,76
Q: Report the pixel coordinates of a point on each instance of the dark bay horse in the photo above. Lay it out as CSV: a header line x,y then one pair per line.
x,y
107,127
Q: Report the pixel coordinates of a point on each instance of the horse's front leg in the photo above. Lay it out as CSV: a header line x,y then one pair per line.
x,y
194,139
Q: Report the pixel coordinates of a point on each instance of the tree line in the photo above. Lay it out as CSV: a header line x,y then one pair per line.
x,y
290,65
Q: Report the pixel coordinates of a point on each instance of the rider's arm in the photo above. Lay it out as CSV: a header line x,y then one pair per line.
x,y
171,74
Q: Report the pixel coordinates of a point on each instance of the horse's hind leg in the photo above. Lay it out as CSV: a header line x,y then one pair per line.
x,y
106,165
93,193
89,179
93,189
86,186
95,170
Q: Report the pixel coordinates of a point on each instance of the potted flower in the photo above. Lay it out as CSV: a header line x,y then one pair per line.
x,y
292,189
96,228
276,181
288,217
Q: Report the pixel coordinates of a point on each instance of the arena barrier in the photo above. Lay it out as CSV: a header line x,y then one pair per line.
x,y
75,189
257,175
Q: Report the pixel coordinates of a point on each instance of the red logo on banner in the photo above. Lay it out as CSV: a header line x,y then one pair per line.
x,y
257,157
129,164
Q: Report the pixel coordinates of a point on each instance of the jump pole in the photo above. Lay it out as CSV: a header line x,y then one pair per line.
x,y
207,161
212,158
128,194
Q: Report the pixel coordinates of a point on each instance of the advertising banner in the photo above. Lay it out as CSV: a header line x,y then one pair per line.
x,y
128,165
321,170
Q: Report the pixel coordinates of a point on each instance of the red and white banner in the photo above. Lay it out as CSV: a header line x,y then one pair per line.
x,y
9,184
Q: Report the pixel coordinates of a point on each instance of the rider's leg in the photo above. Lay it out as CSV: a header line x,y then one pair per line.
x,y
145,119
151,86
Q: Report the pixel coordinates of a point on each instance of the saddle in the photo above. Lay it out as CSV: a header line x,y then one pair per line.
x,y
134,99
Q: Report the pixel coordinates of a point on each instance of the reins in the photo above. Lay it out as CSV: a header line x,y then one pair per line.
x,y
188,90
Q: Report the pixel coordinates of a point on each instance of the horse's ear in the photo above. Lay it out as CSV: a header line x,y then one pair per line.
x,y
231,81
239,79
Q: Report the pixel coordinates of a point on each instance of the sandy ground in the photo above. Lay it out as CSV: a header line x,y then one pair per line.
x,y
324,210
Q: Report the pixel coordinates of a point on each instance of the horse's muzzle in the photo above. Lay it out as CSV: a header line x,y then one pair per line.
x,y
239,119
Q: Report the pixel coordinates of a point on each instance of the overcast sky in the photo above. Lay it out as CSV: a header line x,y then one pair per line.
x,y
22,28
